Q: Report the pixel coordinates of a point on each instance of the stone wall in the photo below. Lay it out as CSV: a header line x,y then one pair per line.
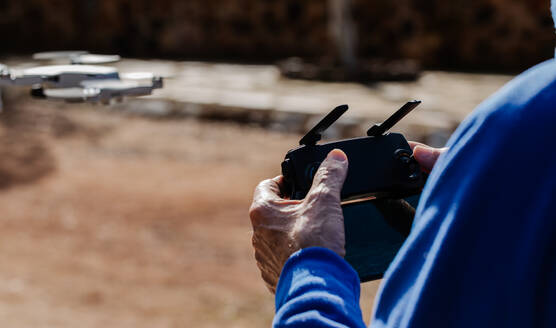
x,y
456,34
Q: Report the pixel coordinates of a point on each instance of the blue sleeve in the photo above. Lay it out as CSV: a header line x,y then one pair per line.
x,y
482,250
317,288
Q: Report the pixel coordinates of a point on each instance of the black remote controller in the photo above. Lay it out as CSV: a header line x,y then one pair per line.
x,y
379,194
381,165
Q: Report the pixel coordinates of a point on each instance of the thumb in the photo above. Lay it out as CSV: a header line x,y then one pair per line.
x,y
427,156
329,178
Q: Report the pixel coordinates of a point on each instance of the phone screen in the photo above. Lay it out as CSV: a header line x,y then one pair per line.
x,y
372,239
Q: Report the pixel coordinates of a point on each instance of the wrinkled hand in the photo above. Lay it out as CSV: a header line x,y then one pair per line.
x,y
425,155
283,226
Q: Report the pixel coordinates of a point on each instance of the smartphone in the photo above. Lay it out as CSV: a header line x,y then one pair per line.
x,y
375,230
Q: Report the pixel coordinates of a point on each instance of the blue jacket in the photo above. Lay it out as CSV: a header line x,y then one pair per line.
x,y
482,251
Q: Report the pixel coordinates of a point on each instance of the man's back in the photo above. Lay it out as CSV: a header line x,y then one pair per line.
x,y
482,251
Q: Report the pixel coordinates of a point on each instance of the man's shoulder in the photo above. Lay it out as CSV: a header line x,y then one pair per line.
x,y
522,109
509,130
532,91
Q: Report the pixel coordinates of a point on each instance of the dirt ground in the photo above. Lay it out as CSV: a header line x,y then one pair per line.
x,y
108,220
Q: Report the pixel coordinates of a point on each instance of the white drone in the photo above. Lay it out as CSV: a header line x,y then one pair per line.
x,y
81,80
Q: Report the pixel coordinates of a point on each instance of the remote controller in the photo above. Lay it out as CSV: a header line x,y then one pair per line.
x,y
381,165
380,192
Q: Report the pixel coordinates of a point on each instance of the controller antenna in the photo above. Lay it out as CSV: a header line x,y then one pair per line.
x,y
379,129
313,136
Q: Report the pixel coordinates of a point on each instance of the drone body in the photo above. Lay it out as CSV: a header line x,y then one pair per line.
x,y
81,81
102,90
58,76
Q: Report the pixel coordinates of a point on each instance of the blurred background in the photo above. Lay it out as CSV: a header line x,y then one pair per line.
x,y
135,214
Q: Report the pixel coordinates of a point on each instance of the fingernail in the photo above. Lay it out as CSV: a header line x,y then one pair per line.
x,y
421,152
424,157
337,155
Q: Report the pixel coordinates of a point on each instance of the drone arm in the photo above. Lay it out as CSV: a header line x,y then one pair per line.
x,y
22,80
27,80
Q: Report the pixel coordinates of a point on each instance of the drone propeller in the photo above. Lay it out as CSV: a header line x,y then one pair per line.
x,y
100,90
77,57
58,76
54,55
137,76
56,70
65,76
91,59
116,84
118,88
109,84
69,94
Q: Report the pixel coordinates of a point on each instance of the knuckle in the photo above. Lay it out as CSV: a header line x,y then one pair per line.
x,y
258,257
323,172
265,184
329,174
329,196
258,206
260,188
323,193
258,211
255,211
262,184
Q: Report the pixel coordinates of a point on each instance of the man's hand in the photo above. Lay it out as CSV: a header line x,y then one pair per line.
x,y
425,155
282,226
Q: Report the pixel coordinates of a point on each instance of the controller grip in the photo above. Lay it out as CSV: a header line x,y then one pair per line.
x,y
286,188
398,213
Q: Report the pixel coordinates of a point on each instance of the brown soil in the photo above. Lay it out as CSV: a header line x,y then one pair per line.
x,y
118,221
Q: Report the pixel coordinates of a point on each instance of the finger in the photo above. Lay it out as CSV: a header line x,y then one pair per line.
x,y
268,190
413,144
269,276
270,288
270,280
427,156
281,182
329,178
265,197
264,264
